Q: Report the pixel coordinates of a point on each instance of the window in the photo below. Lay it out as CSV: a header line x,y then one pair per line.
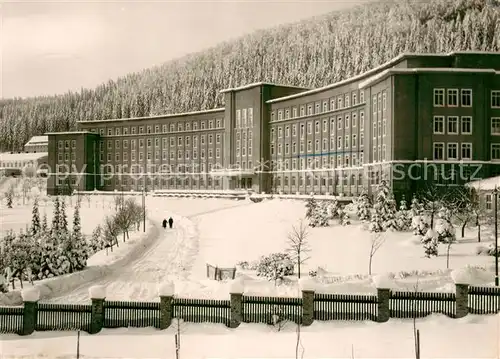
x,y
302,131
316,127
339,142
361,120
452,125
495,151
347,102
438,97
287,148
317,107
309,110
361,96
354,142
438,149
325,144
384,152
280,132
466,125
238,118
384,101
466,98
488,199
374,104
452,98
332,126
110,132
339,102
495,126
280,115
332,104
302,111
309,128
438,125
354,119
384,127
495,99
325,125
294,112
316,146
374,130
347,120
452,149
361,139
309,146
466,151
217,138
325,106
346,141
294,130
354,99
339,123
287,114
218,122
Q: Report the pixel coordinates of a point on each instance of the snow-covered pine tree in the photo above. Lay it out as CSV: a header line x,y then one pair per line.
x,y
385,206
446,231
78,258
376,222
320,216
35,219
430,242
56,216
416,207
311,206
44,227
333,209
63,218
416,214
344,217
96,240
403,217
364,207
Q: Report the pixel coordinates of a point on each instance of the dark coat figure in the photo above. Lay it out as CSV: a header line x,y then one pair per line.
x,y
164,224
170,222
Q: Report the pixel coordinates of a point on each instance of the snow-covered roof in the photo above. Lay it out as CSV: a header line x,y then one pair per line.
x,y
375,71
486,184
69,133
22,156
214,110
255,84
36,140
378,77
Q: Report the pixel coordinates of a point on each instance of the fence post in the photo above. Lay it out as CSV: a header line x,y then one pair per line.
x,y
166,292
30,296
236,294
97,295
461,279
307,288
383,284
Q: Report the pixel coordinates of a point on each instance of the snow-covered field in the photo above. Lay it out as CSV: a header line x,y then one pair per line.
x,y
223,232
472,337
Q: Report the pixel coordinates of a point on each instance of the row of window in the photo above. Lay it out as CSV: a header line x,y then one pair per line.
x,y
244,118
337,180
452,151
345,142
339,123
150,142
157,182
165,128
165,155
65,145
16,164
454,125
461,97
332,104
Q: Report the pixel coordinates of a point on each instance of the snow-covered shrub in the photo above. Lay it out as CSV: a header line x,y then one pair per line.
x,y
344,217
363,207
483,250
311,205
243,265
333,209
320,216
403,216
419,226
491,250
275,266
430,242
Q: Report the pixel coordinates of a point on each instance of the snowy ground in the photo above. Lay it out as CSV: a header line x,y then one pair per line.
x,y
223,232
472,337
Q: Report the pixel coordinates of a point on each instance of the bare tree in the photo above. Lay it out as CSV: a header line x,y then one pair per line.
x,y
298,245
111,232
377,239
9,195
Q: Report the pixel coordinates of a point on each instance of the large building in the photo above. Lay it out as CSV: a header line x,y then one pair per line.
x,y
417,117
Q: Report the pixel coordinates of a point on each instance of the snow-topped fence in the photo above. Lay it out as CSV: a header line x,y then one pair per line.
x,y
276,311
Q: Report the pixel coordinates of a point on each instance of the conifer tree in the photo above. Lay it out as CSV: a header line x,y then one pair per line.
x,y
311,206
63,218
56,216
35,219
363,207
45,226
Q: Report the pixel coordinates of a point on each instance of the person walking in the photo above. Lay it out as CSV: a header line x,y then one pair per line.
x,y
170,222
164,224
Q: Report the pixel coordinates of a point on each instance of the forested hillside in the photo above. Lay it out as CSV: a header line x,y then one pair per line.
x,y
311,53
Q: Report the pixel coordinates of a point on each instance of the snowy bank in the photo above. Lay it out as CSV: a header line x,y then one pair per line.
x,y
99,265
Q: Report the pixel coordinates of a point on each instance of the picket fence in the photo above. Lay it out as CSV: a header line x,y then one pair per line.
x,y
253,309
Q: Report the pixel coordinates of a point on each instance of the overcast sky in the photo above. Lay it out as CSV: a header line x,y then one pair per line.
x,y
50,47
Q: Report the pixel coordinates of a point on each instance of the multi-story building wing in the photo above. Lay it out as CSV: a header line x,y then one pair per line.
x,y
415,118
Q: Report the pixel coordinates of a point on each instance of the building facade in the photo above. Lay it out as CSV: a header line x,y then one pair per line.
x,y
415,119
37,144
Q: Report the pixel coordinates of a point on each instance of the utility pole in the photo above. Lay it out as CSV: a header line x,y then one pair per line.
x,y
495,192
144,208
